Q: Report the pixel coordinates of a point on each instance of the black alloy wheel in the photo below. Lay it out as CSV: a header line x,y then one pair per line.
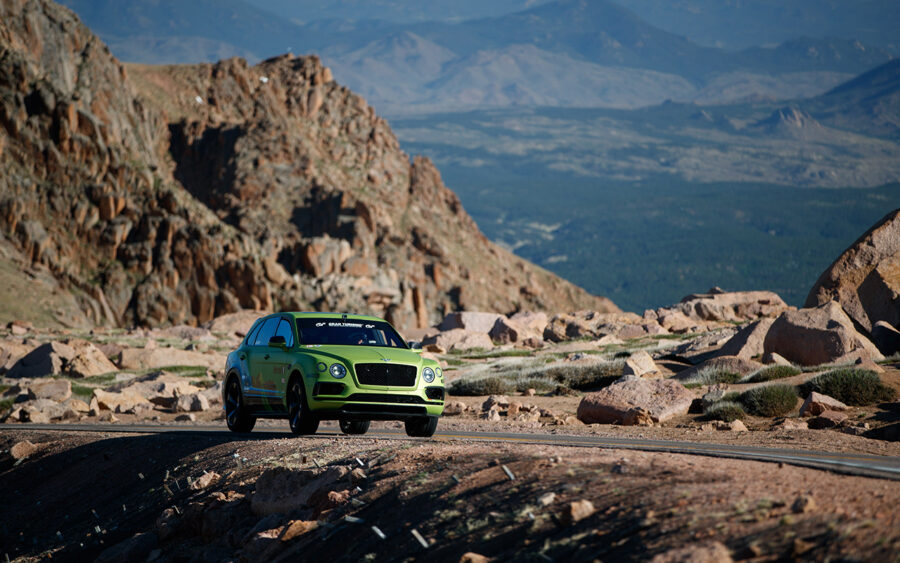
x,y
354,426
301,419
421,427
235,412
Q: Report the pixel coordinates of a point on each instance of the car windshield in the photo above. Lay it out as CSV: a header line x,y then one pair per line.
x,y
348,332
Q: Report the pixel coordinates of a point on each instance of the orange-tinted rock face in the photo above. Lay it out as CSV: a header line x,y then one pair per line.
x,y
181,193
865,279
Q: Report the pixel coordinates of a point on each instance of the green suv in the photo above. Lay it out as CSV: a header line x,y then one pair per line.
x,y
308,367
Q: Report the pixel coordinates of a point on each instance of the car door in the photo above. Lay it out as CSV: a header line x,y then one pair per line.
x,y
257,359
277,360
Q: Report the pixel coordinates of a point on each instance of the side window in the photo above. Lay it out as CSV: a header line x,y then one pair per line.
x,y
251,336
266,332
284,329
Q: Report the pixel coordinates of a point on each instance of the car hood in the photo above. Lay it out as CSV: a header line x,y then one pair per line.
x,y
368,354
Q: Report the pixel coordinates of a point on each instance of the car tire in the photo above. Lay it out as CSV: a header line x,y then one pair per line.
x,y
421,427
354,426
301,419
235,410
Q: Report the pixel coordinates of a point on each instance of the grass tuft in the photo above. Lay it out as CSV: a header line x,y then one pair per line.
x,y
851,386
711,376
771,373
770,400
727,411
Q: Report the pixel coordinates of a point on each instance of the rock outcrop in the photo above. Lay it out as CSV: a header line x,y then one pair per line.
x,y
819,335
173,195
623,401
865,279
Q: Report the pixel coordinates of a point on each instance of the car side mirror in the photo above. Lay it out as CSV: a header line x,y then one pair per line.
x,y
415,345
278,341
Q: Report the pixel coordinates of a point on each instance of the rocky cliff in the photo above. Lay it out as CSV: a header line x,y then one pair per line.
x,y
161,195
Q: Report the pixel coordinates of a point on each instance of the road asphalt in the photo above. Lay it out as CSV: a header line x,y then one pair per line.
x,y
853,464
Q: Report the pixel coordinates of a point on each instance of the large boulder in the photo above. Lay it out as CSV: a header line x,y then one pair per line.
x,y
155,358
11,351
661,398
471,321
748,342
591,324
119,401
509,331
88,360
457,339
57,390
815,336
722,306
865,279
886,338
535,321
234,323
640,364
160,388
46,359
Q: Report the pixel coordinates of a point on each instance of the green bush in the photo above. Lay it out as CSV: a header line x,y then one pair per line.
x,y
851,386
711,376
725,410
770,400
539,384
772,373
492,385
581,377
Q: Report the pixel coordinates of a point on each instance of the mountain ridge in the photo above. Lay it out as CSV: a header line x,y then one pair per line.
x,y
165,195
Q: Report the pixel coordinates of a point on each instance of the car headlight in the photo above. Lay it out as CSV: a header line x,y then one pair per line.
x,y
439,372
428,375
321,366
337,371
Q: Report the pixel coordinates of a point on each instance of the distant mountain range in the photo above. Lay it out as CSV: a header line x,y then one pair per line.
x,y
570,53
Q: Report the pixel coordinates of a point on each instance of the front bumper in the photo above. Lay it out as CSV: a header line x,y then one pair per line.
x,y
358,403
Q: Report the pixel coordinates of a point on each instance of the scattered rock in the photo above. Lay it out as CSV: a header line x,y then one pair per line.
x,y
712,552
136,548
282,491
204,481
471,557
57,390
818,403
192,403
792,424
662,398
827,419
748,342
454,408
537,322
118,402
546,499
529,392
777,359
470,321
297,528
457,339
640,364
816,336
492,415
189,417
23,449
498,401
576,511
804,504
720,306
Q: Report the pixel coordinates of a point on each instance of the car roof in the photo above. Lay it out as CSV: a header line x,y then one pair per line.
x,y
311,315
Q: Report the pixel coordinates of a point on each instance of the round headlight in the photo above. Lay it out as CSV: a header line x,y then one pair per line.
x,y
321,366
337,371
428,375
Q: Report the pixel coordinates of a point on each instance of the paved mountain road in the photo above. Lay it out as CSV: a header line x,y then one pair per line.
x,y
853,464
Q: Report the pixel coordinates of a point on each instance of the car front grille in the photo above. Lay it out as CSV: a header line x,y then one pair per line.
x,y
395,375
